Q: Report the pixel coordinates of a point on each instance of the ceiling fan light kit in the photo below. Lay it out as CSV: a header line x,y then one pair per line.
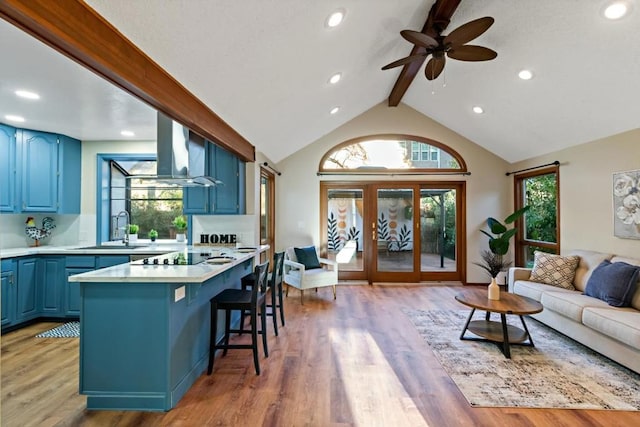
x,y
453,46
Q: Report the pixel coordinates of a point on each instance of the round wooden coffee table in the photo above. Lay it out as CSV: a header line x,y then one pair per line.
x,y
500,333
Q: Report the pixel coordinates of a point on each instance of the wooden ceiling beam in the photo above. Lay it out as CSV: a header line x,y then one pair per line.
x,y
437,20
80,33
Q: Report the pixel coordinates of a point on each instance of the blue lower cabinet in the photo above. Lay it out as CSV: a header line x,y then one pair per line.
x,y
26,289
51,284
7,293
72,291
103,261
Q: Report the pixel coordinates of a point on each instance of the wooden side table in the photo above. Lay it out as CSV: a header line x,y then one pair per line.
x,y
500,333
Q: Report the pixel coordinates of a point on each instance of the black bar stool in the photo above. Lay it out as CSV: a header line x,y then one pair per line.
x,y
275,285
243,300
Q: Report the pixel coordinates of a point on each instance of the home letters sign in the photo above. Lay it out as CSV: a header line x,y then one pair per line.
x,y
217,238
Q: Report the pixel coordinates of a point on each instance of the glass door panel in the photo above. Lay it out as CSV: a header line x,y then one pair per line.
x,y
345,236
395,244
437,230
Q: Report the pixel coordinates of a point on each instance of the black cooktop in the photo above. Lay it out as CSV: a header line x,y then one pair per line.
x,y
181,258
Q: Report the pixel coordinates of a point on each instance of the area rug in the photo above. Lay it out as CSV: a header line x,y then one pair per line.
x,y
67,330
557,373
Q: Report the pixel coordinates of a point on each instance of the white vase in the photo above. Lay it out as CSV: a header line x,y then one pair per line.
x,y
133,238
494,290
181,237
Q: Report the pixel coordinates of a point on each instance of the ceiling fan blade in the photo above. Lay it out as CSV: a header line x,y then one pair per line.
x,y
471,53
434,67
469,31
419,38
403,61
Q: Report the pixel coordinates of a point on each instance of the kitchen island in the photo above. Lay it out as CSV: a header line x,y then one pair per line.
x,y
144,328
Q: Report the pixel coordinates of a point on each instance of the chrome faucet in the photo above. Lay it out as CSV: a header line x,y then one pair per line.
x,y
125,238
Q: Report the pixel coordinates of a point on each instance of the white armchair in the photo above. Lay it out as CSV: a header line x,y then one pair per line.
x,y
298,276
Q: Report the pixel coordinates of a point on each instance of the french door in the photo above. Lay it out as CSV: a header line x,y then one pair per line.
x,y
398,232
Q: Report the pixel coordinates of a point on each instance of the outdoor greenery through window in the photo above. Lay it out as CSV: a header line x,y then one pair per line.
x,y
540,232
391,153
150,205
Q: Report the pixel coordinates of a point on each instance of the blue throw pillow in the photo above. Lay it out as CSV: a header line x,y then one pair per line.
x,y
308,257
614,283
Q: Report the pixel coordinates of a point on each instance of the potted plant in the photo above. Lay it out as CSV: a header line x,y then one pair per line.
x,y
499,237
153,235
180,223
133,232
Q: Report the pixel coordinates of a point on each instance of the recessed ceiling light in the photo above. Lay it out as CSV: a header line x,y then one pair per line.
x,y
26,94
335,18
13,118
525,75
334,110
335,78
616,10
477,109
127,133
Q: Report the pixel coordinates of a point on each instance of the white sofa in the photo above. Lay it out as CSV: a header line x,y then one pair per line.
x,y
611,331
299,277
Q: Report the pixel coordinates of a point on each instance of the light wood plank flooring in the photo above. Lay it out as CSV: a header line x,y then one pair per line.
x,y
356,361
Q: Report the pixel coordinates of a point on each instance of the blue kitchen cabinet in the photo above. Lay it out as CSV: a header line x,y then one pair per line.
x,y
8,295
7,168
69,175
71,295
52,279
228,198
225,199
39,171
195,201
39,189
103,261
26,289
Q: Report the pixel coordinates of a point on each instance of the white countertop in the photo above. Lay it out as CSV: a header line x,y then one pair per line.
x,y
107,249
137,273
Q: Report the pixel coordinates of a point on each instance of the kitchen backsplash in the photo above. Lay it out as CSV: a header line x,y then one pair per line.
x,y
70,230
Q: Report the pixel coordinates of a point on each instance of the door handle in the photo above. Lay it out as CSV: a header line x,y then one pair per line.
x,y
373,231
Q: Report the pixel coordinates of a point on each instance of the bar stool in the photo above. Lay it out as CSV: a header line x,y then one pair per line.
x,y
243,300
275,285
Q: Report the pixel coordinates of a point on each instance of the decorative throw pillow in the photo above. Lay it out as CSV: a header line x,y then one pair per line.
x,y
308,257
613,283
554,270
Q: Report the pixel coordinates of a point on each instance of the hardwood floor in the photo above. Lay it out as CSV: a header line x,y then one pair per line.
x,y
355,361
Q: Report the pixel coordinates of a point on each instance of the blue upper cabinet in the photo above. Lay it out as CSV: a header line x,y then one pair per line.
x,y
225,199
69,175
39,171
7,168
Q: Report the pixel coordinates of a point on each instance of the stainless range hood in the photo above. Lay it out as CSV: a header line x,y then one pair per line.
x,y
181,157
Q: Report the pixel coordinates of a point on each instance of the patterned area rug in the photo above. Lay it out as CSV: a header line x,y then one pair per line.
x,y
557,373
67,330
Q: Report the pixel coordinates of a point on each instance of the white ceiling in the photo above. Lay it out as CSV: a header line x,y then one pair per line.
x,y
263,66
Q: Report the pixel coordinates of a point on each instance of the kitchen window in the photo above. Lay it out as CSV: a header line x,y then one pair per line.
x,y
150,205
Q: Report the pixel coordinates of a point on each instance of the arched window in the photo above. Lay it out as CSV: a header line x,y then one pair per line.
x,y
392,154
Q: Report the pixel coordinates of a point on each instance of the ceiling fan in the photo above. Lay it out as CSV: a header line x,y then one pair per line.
x,y
454,46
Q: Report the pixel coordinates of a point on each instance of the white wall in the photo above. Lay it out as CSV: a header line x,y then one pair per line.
x,y
298,206
586,191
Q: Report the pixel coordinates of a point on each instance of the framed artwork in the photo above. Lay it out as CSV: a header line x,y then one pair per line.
x,y
626,204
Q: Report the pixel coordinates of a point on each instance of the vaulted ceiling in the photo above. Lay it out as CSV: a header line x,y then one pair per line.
x,y
264,65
